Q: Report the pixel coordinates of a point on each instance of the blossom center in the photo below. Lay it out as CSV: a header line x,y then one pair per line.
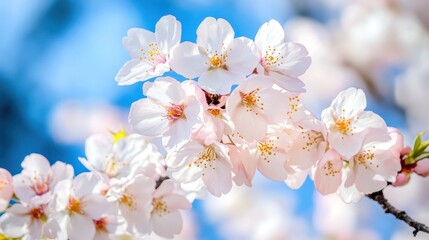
x,y
41,186
252,101
365,158
159,207
343,125
206,158
74,206
218,61
329,169
113,167
153,55
38,213
100,224
175,112
3,183
272,58
266,149
128,200
215,112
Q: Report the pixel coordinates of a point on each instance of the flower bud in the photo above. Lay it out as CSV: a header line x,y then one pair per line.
x,y
422,167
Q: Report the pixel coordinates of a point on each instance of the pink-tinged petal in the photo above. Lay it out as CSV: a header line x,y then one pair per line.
x,y
371,122
35,164
273,167
22,187
214,35
85,184
137,39
220,81
134,71
295,61
291,84
241,59
14,226
297,179
178,132
397,140
270,33
96,206
168,32
422,167
350,194
61,171
367,181
243,165
176,201
6,188
346,145
218,180
349,102
148,118
165,188
250,125
328,174
167,225
185,155
81,227
35,230
189,60
165,90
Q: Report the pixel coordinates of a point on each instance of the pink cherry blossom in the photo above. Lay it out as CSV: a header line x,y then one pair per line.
x,y
166,220
328,173
38,177
151,52
171,110
282,61
6,188
218,59
348,124
195,161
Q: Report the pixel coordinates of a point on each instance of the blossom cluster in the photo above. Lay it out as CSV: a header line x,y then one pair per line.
x,y
238,111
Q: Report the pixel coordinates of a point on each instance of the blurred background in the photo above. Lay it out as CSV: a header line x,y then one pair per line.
x,y
58,60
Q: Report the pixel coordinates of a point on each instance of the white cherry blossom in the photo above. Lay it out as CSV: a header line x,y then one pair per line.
x,y
282,61
348,123
6,188
38,177
218,59
151,52
171,110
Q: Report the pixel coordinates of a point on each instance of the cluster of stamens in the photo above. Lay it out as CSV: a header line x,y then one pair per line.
x,y
252,101
365,158
153,55
311,138
128,200
266,149
329,169
272,58
174,112
74,206
344,125
159,207
217,60
294,103
206,158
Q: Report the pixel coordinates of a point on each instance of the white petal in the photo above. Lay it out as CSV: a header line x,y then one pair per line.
x,y
165,90
189,60
346,145
220,81
95,206
295,61
167,225
168,32
296,180
147,118
134,71
176,201
81,227
349,102
273,167
241,58
271,33
214,35
14,225
219,180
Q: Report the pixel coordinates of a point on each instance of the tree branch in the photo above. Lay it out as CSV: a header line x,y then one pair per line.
x,y
401,215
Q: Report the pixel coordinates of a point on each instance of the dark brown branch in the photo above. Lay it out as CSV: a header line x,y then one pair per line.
x,y
401,215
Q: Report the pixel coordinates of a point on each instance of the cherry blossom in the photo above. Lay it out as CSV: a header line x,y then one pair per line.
x,y
218,59
38,177
6,188
120,155
348,124
195,161
283,61
170,110
166,220
26,221
151,52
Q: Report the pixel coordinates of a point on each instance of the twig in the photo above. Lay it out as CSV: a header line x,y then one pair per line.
x,y
401,215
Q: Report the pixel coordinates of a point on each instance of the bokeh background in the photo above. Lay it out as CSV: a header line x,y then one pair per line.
x,y
58,60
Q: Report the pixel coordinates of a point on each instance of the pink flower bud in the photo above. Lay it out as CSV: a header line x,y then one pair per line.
x,y
401,179
422,167
405,150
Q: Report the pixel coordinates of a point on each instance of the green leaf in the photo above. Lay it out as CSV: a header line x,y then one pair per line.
x,y
417,142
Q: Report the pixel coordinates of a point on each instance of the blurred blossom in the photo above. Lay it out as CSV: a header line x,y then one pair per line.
x,y
253,213
337,220
189,230
72,121
411,91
